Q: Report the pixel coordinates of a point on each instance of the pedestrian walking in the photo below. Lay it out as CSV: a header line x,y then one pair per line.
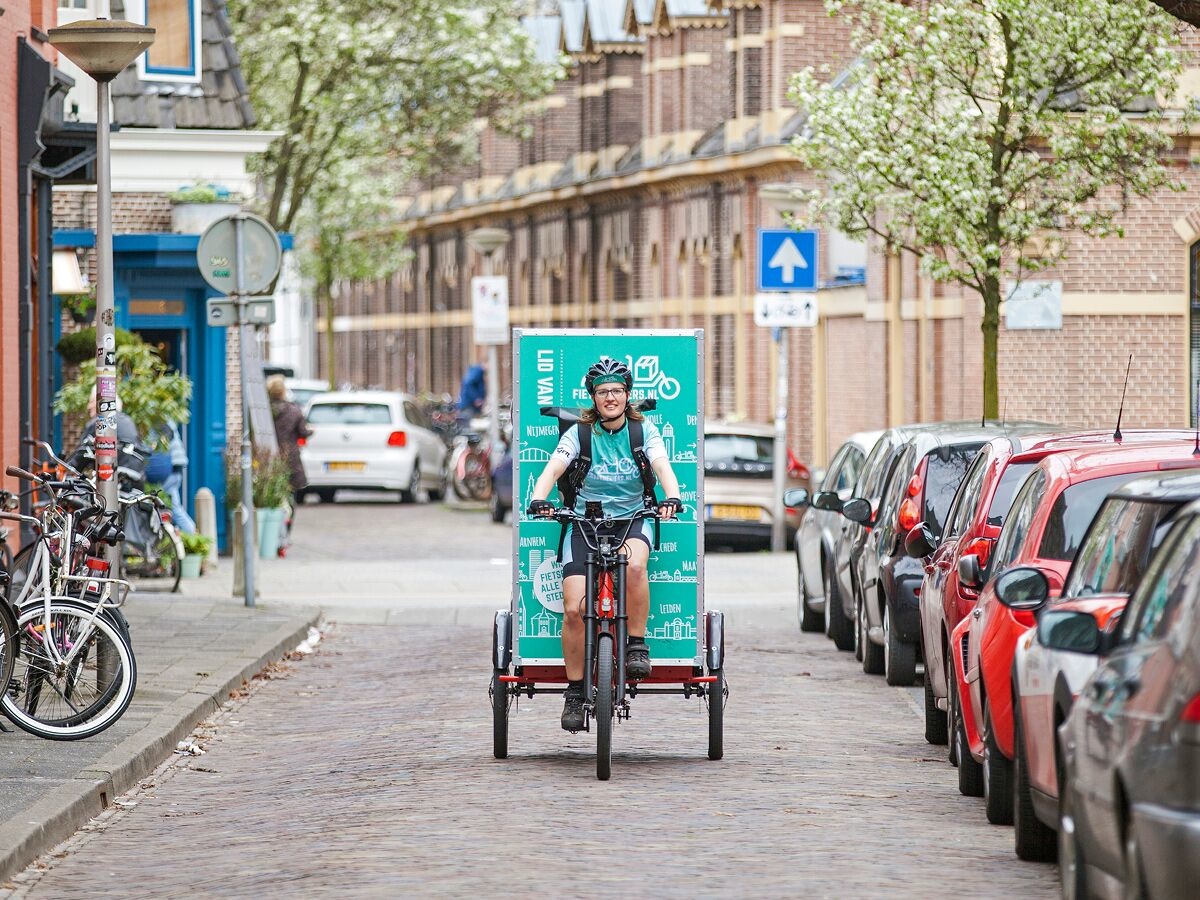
x,y
290,428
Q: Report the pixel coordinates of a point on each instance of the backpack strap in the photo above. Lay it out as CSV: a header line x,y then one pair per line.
x,y
637,438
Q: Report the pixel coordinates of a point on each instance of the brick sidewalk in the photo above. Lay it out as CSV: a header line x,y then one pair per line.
x,y
189,651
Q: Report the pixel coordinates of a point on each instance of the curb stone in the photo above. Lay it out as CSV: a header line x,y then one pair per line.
x,y
66,808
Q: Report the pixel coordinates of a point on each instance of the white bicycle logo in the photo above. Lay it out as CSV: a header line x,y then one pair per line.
x,y
648,376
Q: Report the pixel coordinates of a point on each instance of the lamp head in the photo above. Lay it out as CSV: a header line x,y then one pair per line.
x,y
487,240
102,47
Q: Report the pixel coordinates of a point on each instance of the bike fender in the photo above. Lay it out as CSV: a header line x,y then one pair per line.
x,y
715,634
502,639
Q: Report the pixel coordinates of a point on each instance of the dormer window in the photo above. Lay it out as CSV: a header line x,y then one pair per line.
x,y
176,53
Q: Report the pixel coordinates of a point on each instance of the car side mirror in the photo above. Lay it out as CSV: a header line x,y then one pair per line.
x,y
1023,588
795,498
857,510
1071,630
828,501
920,541
969,572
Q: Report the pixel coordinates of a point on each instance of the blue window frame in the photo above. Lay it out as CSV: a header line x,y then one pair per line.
x,y
175,55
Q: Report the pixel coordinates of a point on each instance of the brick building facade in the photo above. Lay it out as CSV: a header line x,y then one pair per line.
x,y
636,200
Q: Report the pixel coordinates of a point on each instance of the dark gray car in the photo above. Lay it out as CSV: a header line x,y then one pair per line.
x,y
1130,810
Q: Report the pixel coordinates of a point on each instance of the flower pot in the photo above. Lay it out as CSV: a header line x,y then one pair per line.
x,y
270,527
193,218
189,566
83,317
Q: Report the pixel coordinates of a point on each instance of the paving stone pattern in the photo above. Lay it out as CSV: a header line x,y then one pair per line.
x,y
368,772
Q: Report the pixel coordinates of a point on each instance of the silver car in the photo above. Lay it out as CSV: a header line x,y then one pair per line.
x,y
372,440
1130,811
822,523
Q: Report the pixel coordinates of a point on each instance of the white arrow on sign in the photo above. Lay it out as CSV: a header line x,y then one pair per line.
x,y
788,259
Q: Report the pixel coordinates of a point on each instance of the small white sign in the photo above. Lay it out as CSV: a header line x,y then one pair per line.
x,y
793,310
489,309
1034,304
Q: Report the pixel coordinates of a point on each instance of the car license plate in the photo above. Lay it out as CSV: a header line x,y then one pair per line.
x,y
741,513
345,466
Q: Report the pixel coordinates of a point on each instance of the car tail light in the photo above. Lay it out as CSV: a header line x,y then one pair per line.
x,y
795,468
301,441
397,439
908,516
981,547
910,509
1189,721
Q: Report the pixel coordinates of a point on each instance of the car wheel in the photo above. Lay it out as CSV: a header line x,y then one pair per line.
x,y
970,773
936,731
872,653
1034,842
899,658
437,493
325,495
839,628
810,619
997,777
412,492
1072,871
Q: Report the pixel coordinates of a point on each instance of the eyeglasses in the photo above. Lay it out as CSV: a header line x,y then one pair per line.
x,y
610,392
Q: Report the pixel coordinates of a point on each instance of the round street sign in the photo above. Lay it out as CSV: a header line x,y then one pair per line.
x,y
217,254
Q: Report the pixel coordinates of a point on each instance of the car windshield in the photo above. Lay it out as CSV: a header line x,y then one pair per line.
x,y
1073,512
945,472
1006,491
303,395
1118,545
350,414
737,448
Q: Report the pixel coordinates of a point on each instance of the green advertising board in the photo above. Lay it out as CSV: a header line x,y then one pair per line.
x,y
548,370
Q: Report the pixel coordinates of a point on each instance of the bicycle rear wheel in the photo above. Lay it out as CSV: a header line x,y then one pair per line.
x,y
8,644
69,701
604,706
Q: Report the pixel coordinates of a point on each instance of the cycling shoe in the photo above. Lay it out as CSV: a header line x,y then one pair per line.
x,y
637,662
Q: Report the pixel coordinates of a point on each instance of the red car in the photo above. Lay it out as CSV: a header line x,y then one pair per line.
x,y
972,526
1051,512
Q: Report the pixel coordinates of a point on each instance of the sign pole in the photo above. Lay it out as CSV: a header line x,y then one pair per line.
x,y
779,468
247,457
493,385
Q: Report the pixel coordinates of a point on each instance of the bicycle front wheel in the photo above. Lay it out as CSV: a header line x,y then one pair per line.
x,y
76,699
604,706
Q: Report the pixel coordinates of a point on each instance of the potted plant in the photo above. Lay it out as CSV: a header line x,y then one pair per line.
x,y
196,548
80,307
195,207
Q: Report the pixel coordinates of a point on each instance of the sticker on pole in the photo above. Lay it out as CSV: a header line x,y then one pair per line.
x,y
489,309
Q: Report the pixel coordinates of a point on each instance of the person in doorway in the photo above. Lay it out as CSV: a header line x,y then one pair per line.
x,y
472,395
290,428
166,467
618,486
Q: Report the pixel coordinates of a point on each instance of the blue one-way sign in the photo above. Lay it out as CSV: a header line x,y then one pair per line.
x,y
787,260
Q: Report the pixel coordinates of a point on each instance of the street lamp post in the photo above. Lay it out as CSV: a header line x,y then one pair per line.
x,y
487,241
102,48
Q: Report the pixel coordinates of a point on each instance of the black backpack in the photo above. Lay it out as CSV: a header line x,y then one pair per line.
x,y
571,481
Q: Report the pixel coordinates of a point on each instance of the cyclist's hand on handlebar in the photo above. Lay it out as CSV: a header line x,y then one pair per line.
x,y
541,509
670,507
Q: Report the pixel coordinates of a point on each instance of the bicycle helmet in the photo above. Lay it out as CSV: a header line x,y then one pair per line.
x,y
608,371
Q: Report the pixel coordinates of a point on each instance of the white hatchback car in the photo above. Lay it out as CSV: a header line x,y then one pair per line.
x,y
372,440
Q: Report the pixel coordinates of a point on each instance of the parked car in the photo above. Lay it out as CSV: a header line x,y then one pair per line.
x,y
821,523
500,503
304,389
739,498
1048,670
979,510
372,440
918,492
1052,511
1130,813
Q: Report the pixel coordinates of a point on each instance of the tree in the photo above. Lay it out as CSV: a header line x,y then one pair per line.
x,y
369,96
977,133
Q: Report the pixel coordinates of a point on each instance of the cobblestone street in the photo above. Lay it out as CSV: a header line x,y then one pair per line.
x,y
367,771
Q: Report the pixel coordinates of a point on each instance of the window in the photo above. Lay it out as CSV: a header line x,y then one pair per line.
x,y
945,472
1012,537
1073,512
892,494
1006,490
1158,601
723,449
1117,547
175,54
350,414
875,468
963,505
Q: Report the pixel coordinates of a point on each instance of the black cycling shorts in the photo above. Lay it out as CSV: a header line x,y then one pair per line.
x,y
575,549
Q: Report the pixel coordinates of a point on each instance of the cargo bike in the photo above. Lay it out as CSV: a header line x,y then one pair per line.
x,y
686,641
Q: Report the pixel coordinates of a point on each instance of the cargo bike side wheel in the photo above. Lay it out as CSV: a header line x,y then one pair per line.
x,y
500,698
603,711
716,716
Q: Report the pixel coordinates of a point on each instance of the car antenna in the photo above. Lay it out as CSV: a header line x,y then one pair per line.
x,y
1117,436
1004,417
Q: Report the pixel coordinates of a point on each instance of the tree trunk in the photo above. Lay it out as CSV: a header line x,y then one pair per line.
x,y
325,295
991,331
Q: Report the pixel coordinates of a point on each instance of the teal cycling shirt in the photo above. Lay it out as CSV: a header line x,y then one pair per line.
x,y
613,478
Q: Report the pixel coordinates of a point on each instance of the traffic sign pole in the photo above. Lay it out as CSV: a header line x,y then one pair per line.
x,y
247,457
779,470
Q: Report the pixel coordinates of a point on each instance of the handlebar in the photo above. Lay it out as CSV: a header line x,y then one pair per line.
x,y
49,451
565,515
17,472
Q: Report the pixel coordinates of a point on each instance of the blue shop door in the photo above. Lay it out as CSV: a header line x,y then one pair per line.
x,y
172,319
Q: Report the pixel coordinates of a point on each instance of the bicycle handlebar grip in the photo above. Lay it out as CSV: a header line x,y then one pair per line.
x,y
17,472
